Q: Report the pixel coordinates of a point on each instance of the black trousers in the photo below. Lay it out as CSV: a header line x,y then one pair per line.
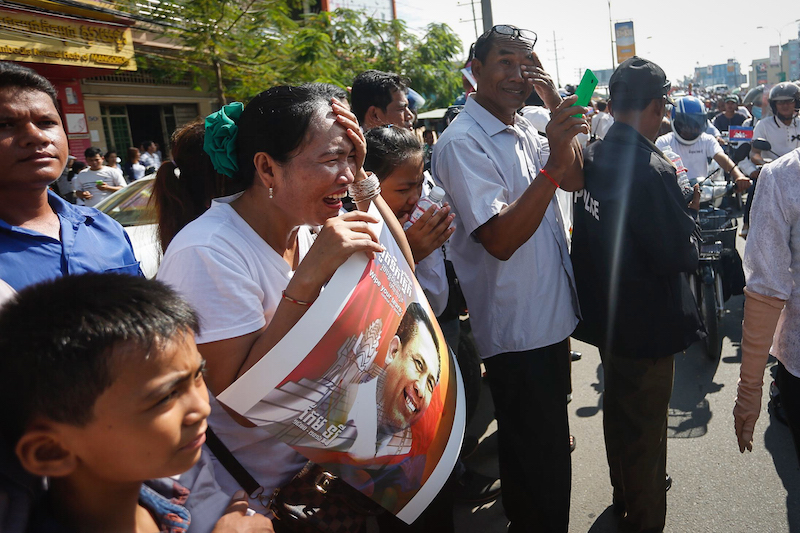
x,y
635,409
789,386
530,390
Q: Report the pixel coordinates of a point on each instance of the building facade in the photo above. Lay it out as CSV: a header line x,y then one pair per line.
x,y
729,74
88,50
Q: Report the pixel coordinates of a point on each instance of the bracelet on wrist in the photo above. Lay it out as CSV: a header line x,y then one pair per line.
x,y
294,301
548,176
366,189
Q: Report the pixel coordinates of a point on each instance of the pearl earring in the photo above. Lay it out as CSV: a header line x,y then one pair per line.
x,y
270,193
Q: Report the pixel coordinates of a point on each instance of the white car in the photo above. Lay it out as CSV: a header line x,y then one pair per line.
x,y
131,207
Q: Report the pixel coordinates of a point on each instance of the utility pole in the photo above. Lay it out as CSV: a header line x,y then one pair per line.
x,y
555,55
611,35
486,13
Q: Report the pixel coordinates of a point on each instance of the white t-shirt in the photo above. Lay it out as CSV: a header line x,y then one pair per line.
x,y
234,280
537,115
430,272
783,138
432,277
694,156
600,124
137,169
87,181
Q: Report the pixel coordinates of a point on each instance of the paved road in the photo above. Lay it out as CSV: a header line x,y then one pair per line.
x,y
715,489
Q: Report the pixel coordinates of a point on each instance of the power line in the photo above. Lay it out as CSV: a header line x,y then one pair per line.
x,y
556,57
474,18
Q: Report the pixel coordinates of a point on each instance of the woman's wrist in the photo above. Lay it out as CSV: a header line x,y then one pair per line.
x,y
361,175
365,189
302,290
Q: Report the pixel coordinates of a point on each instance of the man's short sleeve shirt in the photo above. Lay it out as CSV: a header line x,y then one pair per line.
x,y
783,138
87,181
90,242
723,123
528,301
694,156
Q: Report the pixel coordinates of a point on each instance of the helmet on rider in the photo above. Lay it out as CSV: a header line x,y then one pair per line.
x,y
689,119
785,90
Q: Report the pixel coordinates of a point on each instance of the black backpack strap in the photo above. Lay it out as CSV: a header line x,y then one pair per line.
x,y
231,464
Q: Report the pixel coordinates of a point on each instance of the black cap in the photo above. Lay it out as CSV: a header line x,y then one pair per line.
x,y
638,79
732,98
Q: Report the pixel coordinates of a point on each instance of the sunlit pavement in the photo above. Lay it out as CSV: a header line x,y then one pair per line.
x,y
715,489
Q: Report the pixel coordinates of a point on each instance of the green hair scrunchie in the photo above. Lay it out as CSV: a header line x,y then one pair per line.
x,y
220,138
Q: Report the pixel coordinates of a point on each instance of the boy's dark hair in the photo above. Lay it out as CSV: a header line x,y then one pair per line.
x,y
374,88
601,105
13,75
57,341
109,152
92,151
388,148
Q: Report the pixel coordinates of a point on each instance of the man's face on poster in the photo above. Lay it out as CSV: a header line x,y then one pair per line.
x,y
412,374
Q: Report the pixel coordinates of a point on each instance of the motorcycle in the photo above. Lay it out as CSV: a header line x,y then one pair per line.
x,y
718,254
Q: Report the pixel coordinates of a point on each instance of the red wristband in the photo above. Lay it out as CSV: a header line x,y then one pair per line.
x,y
290,299
548,176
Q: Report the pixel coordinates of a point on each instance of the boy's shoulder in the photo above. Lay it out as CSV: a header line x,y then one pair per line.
x,y
164,498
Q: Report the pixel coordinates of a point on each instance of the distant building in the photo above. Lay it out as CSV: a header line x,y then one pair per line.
x,y
762,73
790,60
88,50
729,73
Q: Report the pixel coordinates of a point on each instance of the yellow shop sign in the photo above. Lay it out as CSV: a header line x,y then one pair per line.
x,y
63,41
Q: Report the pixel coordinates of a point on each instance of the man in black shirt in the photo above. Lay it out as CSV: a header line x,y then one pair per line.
x,y
729,117
632,243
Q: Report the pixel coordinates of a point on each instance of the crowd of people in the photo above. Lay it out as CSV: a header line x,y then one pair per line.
x,y
555,229
100,175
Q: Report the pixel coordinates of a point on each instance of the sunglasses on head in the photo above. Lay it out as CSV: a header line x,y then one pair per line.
x,y
515,33
507,31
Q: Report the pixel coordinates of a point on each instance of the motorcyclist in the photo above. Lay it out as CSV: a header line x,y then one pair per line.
x,y
689,140
782,130
730,116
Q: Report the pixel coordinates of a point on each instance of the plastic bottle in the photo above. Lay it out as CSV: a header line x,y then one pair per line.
x,y
434,198
683,174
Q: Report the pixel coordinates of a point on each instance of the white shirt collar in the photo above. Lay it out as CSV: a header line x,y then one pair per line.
x,y
490,123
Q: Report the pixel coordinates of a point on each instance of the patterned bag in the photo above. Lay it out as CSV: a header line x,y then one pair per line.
x,y
314,501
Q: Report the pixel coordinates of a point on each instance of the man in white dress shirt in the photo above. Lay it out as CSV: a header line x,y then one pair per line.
x,y
511,256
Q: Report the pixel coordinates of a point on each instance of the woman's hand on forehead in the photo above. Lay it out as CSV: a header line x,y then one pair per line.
x,y
347,119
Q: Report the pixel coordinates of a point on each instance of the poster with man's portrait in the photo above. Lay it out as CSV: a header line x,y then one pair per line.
x,y
364,385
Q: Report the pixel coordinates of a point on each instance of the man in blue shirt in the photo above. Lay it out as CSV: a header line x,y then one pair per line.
x,y
41,235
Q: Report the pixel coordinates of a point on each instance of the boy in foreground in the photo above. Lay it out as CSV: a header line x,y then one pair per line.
x,y
107,390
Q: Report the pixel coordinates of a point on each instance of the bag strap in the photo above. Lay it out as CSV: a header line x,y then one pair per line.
x,y
231,464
